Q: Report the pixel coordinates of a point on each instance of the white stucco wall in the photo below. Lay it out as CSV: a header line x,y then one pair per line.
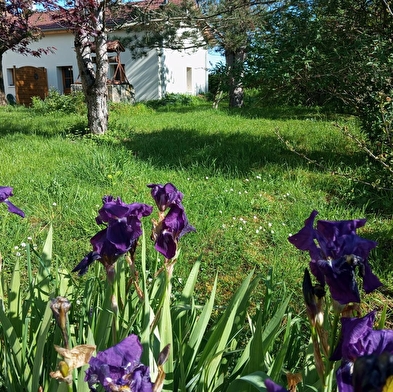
x,y
185,71
63,56
159,72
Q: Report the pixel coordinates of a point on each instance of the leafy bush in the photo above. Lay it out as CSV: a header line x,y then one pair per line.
x,y
72,103
171,99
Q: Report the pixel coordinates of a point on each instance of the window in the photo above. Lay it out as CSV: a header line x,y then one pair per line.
x,y
189,79
10,76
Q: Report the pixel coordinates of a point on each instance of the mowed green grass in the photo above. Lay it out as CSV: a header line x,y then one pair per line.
x,y
244,190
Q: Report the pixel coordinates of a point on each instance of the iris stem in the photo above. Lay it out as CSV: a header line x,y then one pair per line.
x,y
329,366
114,306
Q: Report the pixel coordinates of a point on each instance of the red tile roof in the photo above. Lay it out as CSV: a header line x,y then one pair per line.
x,y
44,21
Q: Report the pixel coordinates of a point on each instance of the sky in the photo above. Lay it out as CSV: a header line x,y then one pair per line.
x,y
214,58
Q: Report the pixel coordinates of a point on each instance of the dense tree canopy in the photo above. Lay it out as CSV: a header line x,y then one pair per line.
x,y
225,25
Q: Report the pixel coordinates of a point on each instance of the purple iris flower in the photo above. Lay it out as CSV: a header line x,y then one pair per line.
x,y
373,373
273,387
170,230
5,193
123,228
335,250
119,368
358,338
165,195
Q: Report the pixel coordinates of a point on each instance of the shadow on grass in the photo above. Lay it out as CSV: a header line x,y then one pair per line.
x,y
286,113
25,121
233,154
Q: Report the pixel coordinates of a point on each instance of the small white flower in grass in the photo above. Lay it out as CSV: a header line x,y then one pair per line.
x,y
240,228
220,212
206,178
231,189
240,193
259,177
188,179
23,245
290,235
16,247
257,231
224,226
234,218
272,231
78,302
269,224
283,223
255,217
54,204
245,192
18,254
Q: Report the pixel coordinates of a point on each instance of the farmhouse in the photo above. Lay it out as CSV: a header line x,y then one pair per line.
x,y
159,72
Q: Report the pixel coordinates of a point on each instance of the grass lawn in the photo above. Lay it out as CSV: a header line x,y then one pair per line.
x,y
245,191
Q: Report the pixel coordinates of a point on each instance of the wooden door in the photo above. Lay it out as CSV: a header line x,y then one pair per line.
x,y
30,82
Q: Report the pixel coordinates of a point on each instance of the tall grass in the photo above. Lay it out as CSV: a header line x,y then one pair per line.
x,y
246,192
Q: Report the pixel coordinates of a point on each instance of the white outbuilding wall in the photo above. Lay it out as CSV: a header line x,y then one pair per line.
x,y
161,71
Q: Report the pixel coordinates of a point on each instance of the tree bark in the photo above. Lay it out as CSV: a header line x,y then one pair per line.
x,y
94,78
3,99
235,61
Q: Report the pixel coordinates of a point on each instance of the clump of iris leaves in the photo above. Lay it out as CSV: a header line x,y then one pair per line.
x,y
121,328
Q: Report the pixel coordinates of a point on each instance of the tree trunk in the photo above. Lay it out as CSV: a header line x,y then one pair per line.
x,y
94,79
235,61
3,100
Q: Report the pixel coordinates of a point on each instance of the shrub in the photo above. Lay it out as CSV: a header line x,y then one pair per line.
x,y
72,103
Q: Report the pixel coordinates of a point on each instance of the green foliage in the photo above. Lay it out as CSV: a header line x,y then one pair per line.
x,y
56,102
26,319
207,352
175,100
